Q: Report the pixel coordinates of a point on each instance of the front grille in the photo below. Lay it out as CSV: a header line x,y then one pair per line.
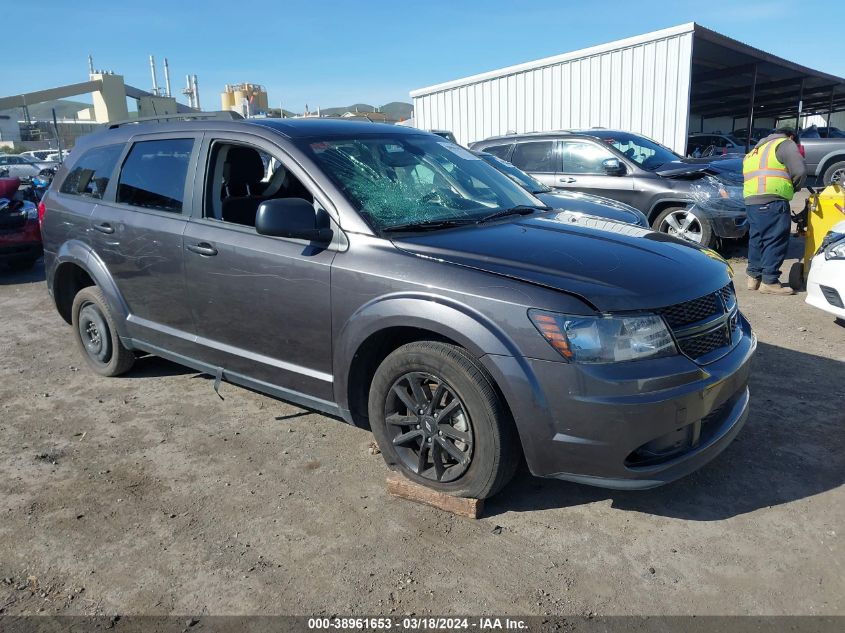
x,y
691,312
832,296
702,326
728,296
698,346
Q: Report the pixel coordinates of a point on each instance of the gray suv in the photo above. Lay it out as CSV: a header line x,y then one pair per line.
x,y
391,278
695,199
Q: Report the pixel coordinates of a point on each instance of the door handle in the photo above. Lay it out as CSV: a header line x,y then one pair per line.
x,y
104,227
567,180
203,248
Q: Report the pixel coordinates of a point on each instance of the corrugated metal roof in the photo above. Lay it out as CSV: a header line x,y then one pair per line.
x,y
640,84
689,27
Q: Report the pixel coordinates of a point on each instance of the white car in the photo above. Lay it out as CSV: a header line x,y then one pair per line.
x,y
38,154
826,281
22,167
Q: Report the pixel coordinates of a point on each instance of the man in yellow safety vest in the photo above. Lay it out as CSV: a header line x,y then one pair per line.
x,y
773,171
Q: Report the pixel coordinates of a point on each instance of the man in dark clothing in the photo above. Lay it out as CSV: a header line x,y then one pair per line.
x,y
773,171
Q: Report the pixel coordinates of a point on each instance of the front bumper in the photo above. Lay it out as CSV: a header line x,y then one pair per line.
x,y
630,425
730,225
826,285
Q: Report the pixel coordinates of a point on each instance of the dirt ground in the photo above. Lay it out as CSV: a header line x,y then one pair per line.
x,y
148,494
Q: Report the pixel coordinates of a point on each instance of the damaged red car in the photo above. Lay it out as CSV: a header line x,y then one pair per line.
x,y
20,231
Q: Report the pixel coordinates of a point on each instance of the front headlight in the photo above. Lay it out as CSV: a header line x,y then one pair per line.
x,y
605,339
834,246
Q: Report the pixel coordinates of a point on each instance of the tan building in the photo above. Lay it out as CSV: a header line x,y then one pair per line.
x,y
246,99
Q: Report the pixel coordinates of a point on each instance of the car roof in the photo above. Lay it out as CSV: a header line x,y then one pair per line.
x,y
309,127
559,133
288,128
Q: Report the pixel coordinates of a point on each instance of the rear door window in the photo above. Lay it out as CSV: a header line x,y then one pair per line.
x,y
537,156
91,173
154,173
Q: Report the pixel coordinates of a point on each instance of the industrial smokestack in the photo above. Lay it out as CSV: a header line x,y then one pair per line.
x,y
166,78
188,92
153,72
196,90
90,65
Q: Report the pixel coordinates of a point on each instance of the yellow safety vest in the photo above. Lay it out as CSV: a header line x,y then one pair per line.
x,y
764,174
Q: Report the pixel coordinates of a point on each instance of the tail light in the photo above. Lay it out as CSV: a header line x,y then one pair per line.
x,y
801,150
42,209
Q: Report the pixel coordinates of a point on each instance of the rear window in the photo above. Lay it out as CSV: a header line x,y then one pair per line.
x,y
501,151
154,173
91,173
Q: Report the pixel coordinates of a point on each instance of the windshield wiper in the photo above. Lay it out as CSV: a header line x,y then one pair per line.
x,y
517,210
427,225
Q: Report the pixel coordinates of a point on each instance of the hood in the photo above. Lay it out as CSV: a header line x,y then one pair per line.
x,y
593,205
612,266
689,170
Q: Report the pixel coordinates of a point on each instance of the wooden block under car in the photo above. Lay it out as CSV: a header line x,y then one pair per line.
x,y
399,486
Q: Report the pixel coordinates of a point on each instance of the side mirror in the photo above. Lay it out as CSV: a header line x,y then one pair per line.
x,y
613,167
290,217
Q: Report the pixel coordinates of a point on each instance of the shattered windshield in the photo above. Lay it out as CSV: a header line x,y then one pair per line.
x,y
648,154
415,179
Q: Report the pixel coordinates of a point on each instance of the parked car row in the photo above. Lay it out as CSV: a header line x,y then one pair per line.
x,y
466,313
701,202
823,149
48,155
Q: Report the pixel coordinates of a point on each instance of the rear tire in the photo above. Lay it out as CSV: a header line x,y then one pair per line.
x,y
96,335
472,449
835,174
685,223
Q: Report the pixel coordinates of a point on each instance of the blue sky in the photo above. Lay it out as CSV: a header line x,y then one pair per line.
x,y
333,53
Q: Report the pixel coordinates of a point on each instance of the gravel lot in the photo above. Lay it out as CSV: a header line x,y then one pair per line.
x,y
148,494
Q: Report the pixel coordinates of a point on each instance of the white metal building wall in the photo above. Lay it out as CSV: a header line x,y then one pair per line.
x,y
640,84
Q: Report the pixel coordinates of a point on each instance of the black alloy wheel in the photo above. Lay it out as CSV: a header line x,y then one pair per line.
x,y
440,420
429,426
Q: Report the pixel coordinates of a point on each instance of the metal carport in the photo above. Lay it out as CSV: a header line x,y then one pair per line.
x,y
663,84
736,82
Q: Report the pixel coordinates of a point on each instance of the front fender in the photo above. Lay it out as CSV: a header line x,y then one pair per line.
x,y
830,157
478,334
78,253
451,319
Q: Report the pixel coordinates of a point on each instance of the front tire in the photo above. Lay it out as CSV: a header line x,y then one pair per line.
x,y
835,174
685,223
96,335
438,418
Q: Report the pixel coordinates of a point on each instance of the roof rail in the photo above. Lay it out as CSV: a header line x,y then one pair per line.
x,y
220,115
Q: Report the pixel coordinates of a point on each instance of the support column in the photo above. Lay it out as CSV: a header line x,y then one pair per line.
x,y
110,100
751,109
830,110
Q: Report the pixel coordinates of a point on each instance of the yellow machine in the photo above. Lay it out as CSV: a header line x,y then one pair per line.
x,y
823,211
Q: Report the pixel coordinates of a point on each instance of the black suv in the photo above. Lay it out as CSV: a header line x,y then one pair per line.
x,y
695,199
389,277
